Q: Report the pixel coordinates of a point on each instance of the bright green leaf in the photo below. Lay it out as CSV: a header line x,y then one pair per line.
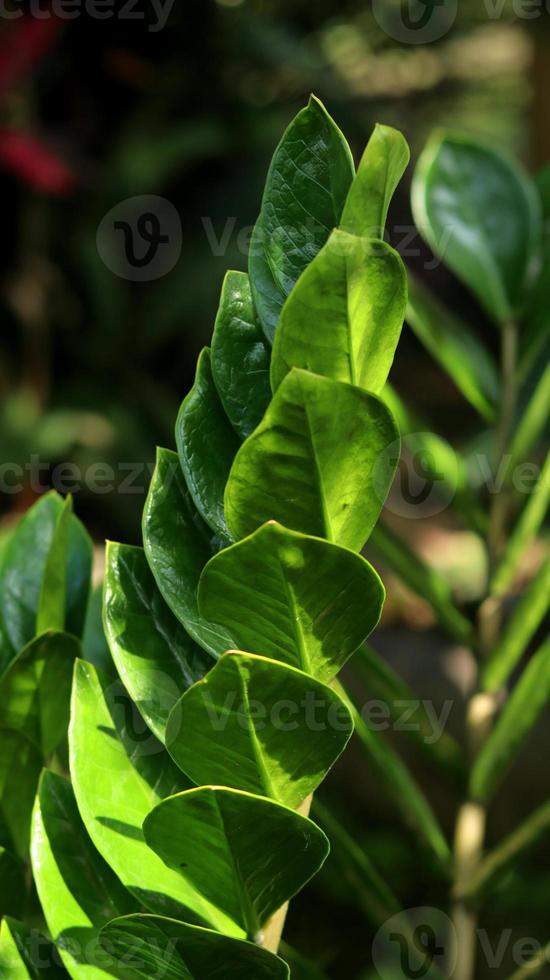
x,y
344,316
53,592
297,599
149,945
259,726
246,854
382,166
78,891
321,462
120,772
240,356
207,445
35,691
306,188
27,955
178,544
155,657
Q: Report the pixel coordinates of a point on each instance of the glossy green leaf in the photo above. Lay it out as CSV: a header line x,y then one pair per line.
x,y
20,768
321,462
519,716
344,316
94,642
78,891
458,350
156,659
481,215
120,772
240,356
178,545
306,188
259,726
22,581
519,630
246,854
149,945
25,954
297,599
53,592
207,445
381,168
13,888
35,691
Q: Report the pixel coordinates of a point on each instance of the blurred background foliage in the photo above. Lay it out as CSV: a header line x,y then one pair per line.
x,y
93,367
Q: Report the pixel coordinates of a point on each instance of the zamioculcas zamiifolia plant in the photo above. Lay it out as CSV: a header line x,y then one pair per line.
x,y
172,844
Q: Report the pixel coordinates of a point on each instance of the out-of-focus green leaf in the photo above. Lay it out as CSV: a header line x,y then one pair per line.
x,y
27,955
320,462
520,715
178,545
456,348
233,728
35,691
424,581
240,356
300,967
207,445
525,529
481,215
119,773
297,599
155,657
78,891
381,168
20,768
13,888
344,316
519,630
246,854
22,582
533,420
306,188
149,944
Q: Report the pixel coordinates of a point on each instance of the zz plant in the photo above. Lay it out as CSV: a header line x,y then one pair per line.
x,y
195,752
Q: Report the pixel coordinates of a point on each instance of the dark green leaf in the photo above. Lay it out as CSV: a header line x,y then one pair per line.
x,y
232,729
20,768
94,642
297,599
344,316
50,614
479,213
207,445
306,188
321,462
149,945
459,351
120,772
246,854
13,888
178,544
155,657
78,891
382,166
27,955
240,356
35,691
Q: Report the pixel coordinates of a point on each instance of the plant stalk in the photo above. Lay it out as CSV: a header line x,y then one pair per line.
x,y
482,707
